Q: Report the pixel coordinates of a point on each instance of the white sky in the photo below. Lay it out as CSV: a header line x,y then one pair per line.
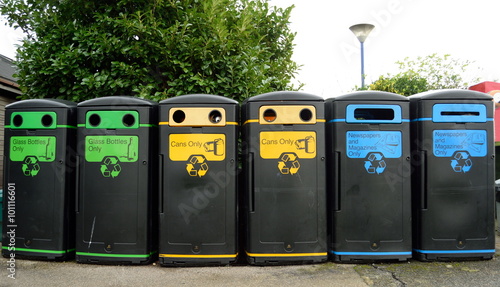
x,y
330,54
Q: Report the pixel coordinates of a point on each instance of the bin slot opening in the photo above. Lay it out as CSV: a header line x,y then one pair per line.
x,y
464,113
374,114
456,113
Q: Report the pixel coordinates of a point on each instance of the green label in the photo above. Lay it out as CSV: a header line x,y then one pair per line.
x,y
42,148
124,148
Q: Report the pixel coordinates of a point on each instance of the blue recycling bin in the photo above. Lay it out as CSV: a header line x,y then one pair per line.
x,y
453,175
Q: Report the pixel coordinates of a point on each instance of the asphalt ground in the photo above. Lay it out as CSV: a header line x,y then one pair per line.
x,y
411,273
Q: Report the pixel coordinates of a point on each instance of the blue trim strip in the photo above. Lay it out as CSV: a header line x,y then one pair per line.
x,y
336,120
454,251
370,253
430,119
343,121
421,119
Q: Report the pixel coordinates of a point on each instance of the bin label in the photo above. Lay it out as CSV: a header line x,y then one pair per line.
x,y
197,148
43,148
360,144
274,144
111,149
446,143
31,150
288,148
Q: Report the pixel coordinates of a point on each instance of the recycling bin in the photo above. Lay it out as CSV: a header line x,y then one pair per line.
x,y
198,182
453,175
116,206
39,179
369,187
285,178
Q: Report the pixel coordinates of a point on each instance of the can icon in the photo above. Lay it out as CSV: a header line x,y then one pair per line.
x,y
307,144
216,146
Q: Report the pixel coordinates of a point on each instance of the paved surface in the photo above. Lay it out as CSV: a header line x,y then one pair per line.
x,y
412,273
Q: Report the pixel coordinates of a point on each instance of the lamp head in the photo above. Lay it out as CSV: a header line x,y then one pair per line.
x,y
361,31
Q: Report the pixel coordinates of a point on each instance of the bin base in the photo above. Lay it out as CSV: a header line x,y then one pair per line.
x,y
451,255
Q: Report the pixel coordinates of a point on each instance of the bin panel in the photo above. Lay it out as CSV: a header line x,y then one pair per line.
x,y
284,171
454,176
369,190
116,208
198,153
40,143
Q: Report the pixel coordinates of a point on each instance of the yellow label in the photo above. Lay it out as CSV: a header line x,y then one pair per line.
x,y
211,146
274,144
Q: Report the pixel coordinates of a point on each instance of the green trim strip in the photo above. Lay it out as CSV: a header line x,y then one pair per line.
x,y
116,255
66,126
40,250
57,126
140,125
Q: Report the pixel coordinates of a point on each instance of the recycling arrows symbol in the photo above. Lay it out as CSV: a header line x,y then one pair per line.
x,y
289,163
461,161
110,167
375,163
30,166
197,165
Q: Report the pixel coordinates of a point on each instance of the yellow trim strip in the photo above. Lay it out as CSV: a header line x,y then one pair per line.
x,y
251,121
199,256
285,254
227,123
321,120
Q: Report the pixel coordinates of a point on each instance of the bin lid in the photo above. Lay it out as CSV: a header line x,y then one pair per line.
x,y
284,96
199,99
369,96
117,101
41,103
451,94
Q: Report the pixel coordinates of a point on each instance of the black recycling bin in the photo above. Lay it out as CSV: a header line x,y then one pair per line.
x,y
117,181
198,181
285,185
369,186
39,179
453,175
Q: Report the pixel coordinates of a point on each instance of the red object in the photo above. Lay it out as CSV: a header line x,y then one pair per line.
x,y
487,87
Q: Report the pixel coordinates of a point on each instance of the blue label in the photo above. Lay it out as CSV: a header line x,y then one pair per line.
x,y
447,142
360,143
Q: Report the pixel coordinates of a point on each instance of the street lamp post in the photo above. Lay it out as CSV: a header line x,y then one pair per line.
x,y
361,31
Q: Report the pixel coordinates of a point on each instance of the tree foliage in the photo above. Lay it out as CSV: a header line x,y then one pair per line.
x,y
81,49
432,72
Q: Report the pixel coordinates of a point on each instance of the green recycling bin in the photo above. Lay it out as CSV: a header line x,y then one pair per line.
x,y
198,187
39,179
284,170
116,205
